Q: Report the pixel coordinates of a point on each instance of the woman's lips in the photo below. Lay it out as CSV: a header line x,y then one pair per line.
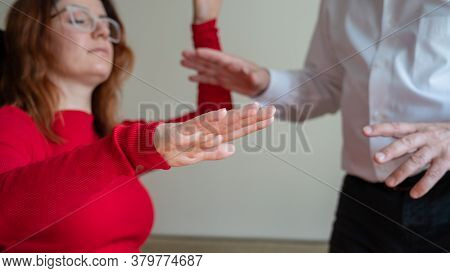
x,y
100,51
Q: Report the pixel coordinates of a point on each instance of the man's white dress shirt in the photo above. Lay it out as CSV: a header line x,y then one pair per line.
x,y
376,61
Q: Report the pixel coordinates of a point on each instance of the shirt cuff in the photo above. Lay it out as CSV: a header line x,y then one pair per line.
x,y
279,84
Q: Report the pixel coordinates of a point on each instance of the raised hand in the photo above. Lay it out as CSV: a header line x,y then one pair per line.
x,y
205,137
233,73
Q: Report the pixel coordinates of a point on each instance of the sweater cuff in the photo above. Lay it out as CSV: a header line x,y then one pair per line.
x,y
208,25
206,35
136,142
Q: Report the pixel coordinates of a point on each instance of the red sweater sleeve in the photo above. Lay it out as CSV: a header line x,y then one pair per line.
x,y
210,97
35,195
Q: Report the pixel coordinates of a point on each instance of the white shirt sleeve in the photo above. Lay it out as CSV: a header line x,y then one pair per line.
x,y
314,90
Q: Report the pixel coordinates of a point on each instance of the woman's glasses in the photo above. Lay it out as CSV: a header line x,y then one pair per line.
x,y
82,19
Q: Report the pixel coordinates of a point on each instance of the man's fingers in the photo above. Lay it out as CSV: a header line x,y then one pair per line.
x,y
204,79
401,147
393,129
417,160
188,54
435,172
196,60
213,56
199,67
208,56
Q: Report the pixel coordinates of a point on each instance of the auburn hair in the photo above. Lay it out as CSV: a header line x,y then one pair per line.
x,y
28,57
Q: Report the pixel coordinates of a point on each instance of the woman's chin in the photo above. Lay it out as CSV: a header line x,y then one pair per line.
x,y
102,73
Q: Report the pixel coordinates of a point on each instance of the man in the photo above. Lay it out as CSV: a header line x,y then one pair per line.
x,y
386,66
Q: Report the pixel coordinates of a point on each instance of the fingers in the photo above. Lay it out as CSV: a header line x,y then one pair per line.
x,y
236,115
198,123
231,124
252,111
209,71
206,79
417,161
264,113
435,172
213,56
191,56
252,117
248,130
207,56
188,54
199,67
393,129
401,147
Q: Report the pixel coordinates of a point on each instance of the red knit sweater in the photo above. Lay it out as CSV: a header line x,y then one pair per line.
x,y
82,195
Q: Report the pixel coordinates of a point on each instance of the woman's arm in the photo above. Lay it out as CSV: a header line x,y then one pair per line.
x,y
210,97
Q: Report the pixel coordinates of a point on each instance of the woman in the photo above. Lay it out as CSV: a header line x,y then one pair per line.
x,y
67,168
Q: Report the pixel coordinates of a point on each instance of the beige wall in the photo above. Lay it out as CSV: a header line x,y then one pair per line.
x,y
251,195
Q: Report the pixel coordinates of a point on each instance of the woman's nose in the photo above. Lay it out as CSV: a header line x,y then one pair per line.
x,y
102,30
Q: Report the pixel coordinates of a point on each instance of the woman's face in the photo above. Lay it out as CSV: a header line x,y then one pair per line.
x,y
82,56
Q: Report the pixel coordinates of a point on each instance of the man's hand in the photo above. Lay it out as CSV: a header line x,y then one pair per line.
x,y
233,73
428,143
205,137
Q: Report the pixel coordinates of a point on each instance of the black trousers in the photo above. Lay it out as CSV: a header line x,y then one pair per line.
x,y
374,218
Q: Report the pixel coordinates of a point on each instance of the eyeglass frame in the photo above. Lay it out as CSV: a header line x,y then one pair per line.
x,y
96,20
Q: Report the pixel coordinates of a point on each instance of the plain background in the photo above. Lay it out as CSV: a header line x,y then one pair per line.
x,y
253,194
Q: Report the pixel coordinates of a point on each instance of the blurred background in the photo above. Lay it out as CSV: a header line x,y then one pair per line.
x,y
282,201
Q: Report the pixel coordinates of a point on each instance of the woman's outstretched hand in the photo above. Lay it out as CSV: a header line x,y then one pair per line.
x,y
206,137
